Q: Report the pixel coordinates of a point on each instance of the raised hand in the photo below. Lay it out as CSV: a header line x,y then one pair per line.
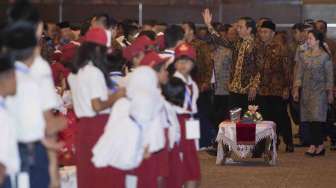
x,y
207,17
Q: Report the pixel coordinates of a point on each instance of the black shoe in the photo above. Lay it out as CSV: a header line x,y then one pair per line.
x,y
321,153
212,152
289,148
310,154
333,147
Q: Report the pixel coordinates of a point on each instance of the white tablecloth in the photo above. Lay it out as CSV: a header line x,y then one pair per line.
x,y
68,177
227,136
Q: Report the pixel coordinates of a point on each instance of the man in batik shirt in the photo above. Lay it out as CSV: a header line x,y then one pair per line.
x,y
273,90
245,77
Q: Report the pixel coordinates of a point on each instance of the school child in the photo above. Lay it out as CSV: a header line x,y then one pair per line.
x,y
26,107
126,143
89,83
185,57
174,93
9,155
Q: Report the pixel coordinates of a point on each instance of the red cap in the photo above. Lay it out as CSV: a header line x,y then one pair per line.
x,y
68,52
185,50
139,45
152,59
96,35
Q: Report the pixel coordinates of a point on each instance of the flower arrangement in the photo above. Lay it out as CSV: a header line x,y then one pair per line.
x,y
252,114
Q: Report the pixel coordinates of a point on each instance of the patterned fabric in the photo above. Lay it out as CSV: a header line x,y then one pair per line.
x,y
222,70
274,69
315,76
203,66
244,71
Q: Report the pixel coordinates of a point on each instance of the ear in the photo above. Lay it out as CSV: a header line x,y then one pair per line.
x,y
249,29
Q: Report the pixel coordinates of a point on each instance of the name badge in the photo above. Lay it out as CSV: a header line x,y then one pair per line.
x,y
193,129
23,180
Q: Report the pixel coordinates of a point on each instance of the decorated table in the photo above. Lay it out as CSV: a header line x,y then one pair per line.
x,y
241,139
68,177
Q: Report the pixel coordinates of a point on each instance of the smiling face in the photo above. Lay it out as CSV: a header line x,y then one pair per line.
x,y
312,42
243,30
266,34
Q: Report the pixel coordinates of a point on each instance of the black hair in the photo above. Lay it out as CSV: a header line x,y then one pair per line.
x,y
172,35
63,25
300,26
116,62
174,91
325,25
250,23
23,10
19,39
158,67
6,63
320,37
149,34
75,27
225,28
104,19
191,25
84,28
95,53
130,30
265,18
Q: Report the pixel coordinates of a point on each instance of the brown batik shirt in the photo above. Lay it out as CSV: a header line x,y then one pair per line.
x,y
204,64
275,69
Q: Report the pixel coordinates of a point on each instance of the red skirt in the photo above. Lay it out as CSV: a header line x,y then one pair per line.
x,y
88,176
175,177
147,173
190,162
162,158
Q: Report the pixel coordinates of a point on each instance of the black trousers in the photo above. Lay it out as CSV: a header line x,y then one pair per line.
x,y
238,101
221,109
205,115
274,108
316,132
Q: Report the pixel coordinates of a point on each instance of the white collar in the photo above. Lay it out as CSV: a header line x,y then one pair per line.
x,y
2,102
180,76
21,67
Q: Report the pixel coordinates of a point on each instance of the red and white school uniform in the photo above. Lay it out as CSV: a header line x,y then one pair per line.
x,y
89,83
190,162
142,88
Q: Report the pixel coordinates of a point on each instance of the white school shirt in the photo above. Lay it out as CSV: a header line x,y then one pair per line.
x,y
41,72
9,155
26,107
174,132
121,144
195,94
89,83
168,54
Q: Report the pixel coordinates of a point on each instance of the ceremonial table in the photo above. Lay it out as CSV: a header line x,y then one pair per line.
x,y
228,141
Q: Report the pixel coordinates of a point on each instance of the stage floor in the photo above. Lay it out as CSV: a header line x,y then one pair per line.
x,y
293,170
